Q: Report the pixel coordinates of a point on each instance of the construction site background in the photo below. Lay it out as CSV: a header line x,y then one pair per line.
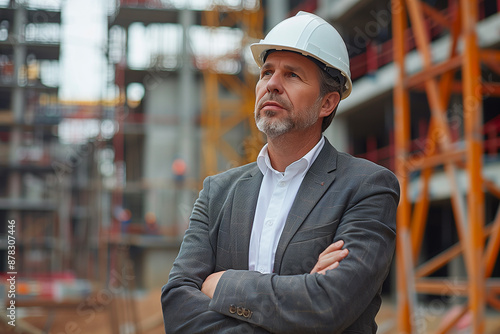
x,y
96,193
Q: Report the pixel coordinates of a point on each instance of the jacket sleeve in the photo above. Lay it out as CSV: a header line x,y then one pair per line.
x,y
185,307
332,302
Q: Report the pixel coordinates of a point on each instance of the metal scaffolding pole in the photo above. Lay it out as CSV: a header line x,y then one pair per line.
x,y
472,109
478,244
402,140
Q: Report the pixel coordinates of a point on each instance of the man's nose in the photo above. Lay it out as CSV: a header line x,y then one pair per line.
x,y
275,84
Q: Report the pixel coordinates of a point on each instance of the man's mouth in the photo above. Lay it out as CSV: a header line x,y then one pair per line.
x,y
271,106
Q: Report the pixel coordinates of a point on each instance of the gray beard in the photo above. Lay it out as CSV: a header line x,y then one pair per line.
x,y
274,127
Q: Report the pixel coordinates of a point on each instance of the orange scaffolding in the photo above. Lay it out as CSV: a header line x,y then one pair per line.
x,y
479,242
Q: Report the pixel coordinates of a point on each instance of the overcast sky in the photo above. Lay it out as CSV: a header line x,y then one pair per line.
x,y
82,63
83,66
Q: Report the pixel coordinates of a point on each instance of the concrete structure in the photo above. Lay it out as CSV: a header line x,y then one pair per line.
x,y
31,194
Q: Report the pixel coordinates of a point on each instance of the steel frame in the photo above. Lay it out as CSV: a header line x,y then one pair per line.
x,y
478,243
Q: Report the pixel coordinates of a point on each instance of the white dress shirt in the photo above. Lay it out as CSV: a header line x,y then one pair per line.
x,y
276,196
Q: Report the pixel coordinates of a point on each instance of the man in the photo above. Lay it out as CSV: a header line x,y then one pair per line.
x,y
263,252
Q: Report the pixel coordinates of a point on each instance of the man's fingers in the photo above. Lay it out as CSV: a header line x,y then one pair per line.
x,y
333,247
330,257
333,266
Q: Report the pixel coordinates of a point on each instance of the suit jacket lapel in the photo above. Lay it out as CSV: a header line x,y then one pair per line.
x,y
316,182
243,212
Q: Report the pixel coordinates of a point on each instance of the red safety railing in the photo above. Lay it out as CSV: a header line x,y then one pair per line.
x,y
491,132
378,55
141,3
385,155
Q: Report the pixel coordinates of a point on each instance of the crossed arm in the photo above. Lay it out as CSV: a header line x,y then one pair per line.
x,y
207,321
197,301
329,259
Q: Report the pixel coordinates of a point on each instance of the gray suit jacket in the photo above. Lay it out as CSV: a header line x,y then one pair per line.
x,y
341,198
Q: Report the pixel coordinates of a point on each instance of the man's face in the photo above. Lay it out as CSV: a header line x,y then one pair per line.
x,y
287,94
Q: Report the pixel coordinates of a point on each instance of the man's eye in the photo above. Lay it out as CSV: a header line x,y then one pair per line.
x,y
294,75
266,73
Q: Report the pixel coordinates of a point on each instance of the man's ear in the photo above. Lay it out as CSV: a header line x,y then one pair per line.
x,y
330,102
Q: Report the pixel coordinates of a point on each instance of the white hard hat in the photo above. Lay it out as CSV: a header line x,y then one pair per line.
x,y
311,36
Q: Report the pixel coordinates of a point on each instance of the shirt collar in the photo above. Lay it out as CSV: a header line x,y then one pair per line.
x,y
300,166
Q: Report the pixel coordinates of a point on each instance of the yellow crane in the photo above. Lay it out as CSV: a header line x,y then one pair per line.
x,y
229,98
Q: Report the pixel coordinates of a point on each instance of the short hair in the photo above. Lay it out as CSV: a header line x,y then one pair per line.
x,y
328,84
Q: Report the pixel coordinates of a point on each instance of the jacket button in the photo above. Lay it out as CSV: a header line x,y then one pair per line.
x,y
239,311
247,313
232,309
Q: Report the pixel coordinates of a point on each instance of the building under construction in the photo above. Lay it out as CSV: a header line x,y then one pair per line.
x,y
101,192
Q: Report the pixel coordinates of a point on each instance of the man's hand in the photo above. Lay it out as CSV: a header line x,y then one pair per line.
x,y
330,258
208,287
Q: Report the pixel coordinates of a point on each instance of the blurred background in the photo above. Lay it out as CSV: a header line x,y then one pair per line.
x,y
113,112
